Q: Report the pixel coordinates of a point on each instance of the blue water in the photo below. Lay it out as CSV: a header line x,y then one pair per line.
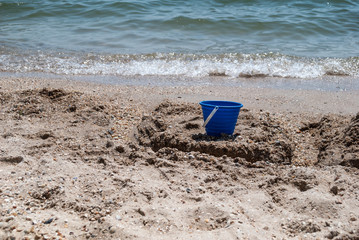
x,y
244,38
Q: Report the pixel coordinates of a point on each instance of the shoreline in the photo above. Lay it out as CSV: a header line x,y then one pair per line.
x,y
82,160
334,83
254,96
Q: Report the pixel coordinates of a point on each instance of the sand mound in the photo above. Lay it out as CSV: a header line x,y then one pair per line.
x,y
48,103
178,126
258,136
337,140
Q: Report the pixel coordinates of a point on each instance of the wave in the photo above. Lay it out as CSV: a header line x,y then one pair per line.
x,y
175,64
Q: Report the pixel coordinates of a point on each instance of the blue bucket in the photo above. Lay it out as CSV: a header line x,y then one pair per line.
x,y
220,117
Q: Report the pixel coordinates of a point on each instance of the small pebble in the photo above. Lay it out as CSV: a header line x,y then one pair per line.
x,y
109,144
8,219
140,211
48,221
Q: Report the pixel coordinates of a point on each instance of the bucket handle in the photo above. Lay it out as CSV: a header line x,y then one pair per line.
x,y
210,116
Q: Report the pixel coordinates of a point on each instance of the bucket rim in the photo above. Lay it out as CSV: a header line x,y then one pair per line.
x,y
211,103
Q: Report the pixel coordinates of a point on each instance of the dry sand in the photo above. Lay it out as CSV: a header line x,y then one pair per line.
x,y
88,161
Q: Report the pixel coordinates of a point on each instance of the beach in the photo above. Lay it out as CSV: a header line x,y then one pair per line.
x,y
87,160
101,130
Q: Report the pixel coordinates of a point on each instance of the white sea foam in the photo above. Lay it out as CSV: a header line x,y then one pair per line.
x,y
190,65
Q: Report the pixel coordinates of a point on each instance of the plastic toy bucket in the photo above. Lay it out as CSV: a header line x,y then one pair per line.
x,y
220,117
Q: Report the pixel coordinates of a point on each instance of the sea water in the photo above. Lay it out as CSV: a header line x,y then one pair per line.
x,y
299,39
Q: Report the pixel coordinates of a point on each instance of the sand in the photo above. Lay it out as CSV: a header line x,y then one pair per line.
x,y
81,160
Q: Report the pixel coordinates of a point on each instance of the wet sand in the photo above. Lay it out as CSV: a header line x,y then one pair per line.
x,y
83,160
